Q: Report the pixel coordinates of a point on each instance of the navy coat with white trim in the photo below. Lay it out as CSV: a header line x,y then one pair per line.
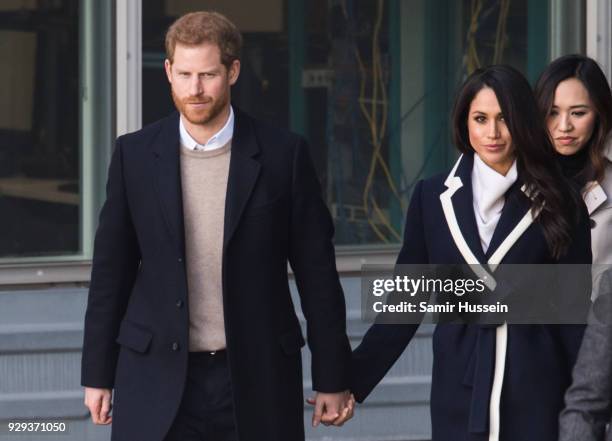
x,y
539,358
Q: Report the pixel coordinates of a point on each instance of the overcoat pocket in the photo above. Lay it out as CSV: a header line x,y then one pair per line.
x,y
134,336
292,342
266,207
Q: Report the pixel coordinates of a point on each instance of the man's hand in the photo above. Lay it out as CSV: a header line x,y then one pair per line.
x,y
332,408
98,401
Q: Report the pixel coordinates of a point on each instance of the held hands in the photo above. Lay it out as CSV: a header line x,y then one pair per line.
x,y
332,408
98,401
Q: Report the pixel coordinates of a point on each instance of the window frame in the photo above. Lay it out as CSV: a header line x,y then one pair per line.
x,y
96,127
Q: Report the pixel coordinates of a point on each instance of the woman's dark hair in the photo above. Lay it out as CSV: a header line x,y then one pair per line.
x,y
535,154
590,75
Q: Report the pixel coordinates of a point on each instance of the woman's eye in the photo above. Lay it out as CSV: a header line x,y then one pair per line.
x,y
501,118
579,113
480,119
553,113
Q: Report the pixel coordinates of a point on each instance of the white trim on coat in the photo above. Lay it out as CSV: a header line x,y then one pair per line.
x,y
453,183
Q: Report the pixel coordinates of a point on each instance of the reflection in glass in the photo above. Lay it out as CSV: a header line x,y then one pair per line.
x,y
39,128
370,83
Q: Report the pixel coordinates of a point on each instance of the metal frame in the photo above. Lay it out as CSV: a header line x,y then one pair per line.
x,y
97,110
129,65
567,21
95,128
65,273
95,133
599,34
348,262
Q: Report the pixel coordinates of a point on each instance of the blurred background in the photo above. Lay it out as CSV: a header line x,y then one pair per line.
x,y
370,83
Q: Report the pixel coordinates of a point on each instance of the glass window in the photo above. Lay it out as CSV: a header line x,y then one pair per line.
x,y
49,173
370,83
39,128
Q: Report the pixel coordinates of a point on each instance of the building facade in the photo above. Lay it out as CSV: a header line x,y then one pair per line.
x,y
369,83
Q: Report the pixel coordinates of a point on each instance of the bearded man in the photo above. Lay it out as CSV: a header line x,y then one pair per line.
x,y
190,323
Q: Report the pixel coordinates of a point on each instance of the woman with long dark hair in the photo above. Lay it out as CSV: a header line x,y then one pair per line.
x,y
575,99
501,203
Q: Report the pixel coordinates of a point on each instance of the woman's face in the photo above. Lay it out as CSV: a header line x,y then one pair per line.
x,y
489,135
572,117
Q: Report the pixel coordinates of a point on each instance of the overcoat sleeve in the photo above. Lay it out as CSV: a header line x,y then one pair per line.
x,y
312,259
114,268
588,401
383,343
587,408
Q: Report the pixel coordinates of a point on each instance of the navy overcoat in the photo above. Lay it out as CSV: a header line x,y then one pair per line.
x,y
137,320
441,229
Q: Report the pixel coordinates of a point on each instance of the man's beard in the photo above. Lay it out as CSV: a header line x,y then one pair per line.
x,y
202,116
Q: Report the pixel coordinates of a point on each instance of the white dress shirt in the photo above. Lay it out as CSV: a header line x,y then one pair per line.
x,y
216,141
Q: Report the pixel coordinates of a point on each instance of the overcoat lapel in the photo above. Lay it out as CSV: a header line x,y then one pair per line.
x,y
166,148
594,196
516,206
243,173
459,211
464,209
593,193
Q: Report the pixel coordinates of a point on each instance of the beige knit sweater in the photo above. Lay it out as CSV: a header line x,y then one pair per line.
x,y
204,183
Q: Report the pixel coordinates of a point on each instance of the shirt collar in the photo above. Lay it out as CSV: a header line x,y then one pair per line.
x,y
219,139
491,176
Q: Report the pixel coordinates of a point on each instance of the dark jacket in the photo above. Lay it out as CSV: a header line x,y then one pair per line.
x,y
539,358
136,325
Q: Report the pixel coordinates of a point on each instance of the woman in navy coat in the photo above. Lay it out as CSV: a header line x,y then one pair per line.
x,y
503,202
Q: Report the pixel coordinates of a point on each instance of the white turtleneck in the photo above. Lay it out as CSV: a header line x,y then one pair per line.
x,y
488,190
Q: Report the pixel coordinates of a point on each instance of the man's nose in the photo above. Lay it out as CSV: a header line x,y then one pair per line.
x,y
195,86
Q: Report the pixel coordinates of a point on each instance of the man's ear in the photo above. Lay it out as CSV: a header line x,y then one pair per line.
x,y
168,69
234,72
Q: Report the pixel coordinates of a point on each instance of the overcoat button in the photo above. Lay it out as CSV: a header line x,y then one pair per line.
x,y
175,346
179,303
